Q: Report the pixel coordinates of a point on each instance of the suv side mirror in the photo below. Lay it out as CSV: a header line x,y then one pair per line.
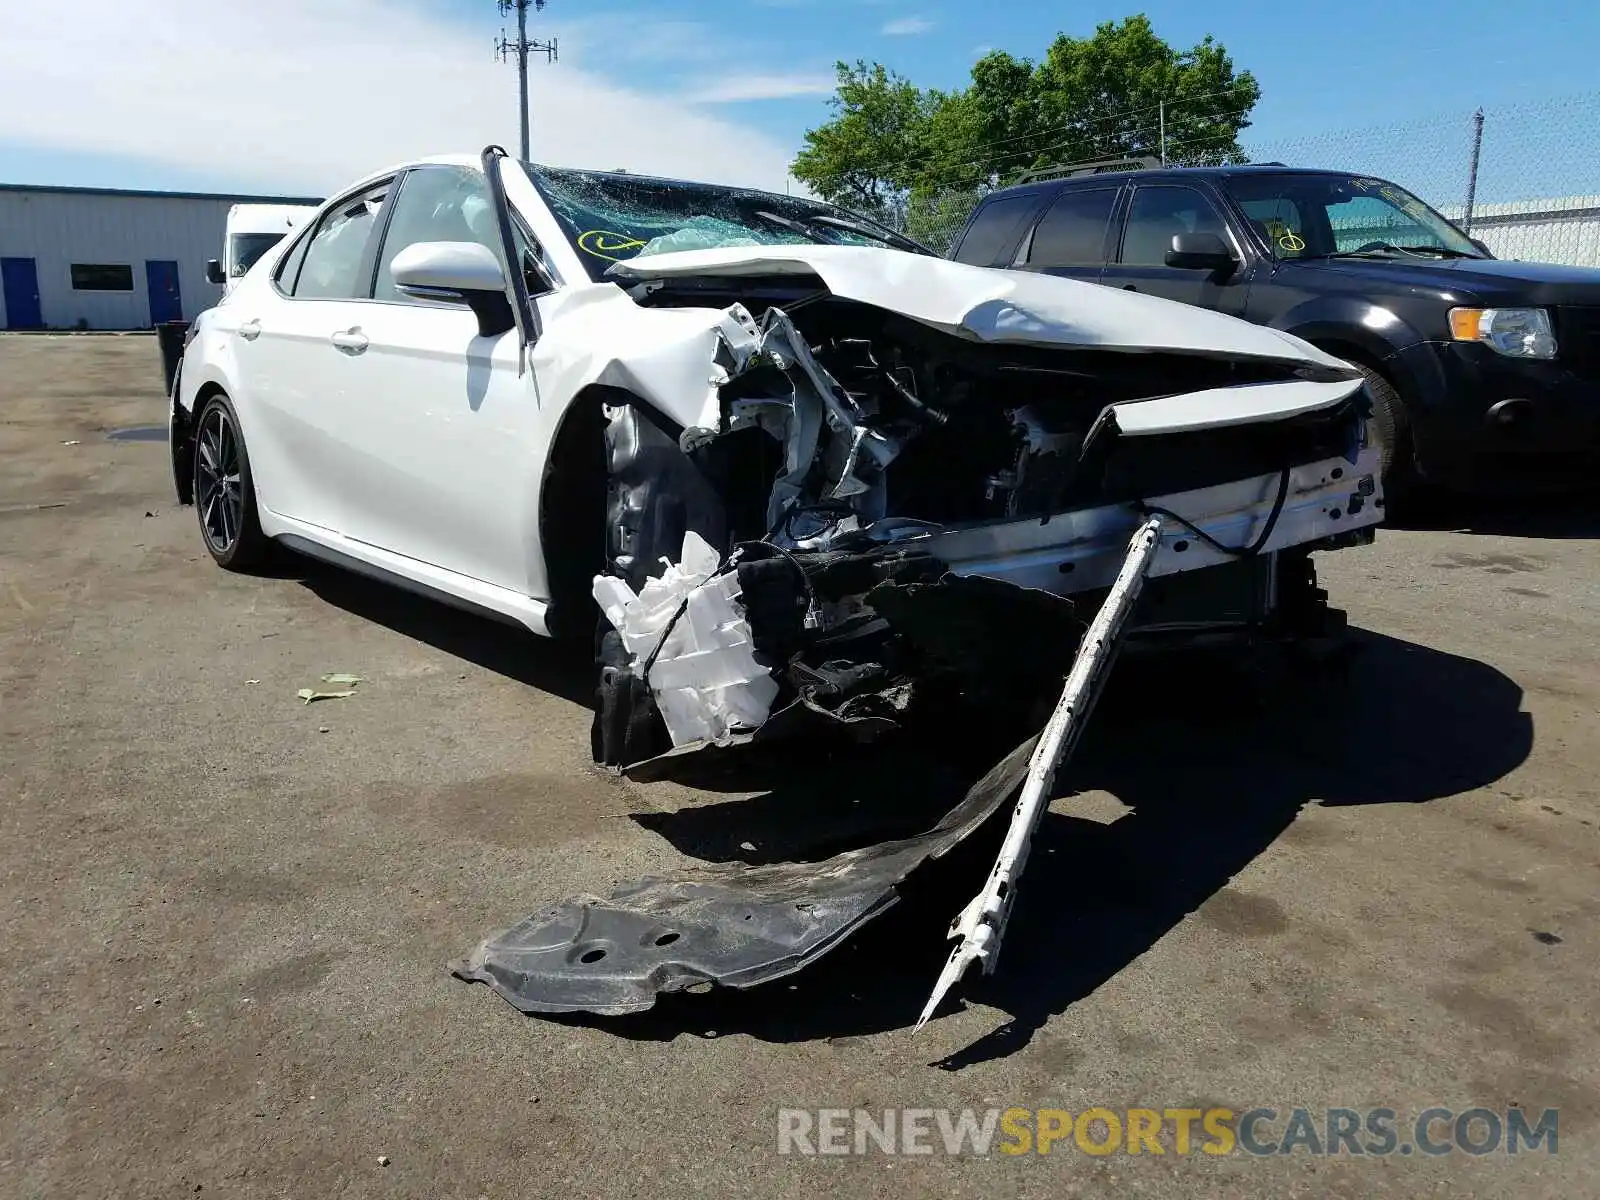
x,y
214,271
1482,247
1200,252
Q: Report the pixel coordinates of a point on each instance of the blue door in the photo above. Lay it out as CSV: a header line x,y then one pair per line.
x,y
19,281
165,303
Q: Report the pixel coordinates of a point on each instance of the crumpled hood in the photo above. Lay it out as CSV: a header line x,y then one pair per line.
x,y
987,305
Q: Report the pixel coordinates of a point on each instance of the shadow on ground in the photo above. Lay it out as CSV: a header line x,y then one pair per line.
x,y
1212,774
561,668
1560,517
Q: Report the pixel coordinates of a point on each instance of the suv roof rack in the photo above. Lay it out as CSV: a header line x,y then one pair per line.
x,y
1101,166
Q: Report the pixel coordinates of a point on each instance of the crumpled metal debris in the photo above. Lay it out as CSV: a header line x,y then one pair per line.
x,y
734,925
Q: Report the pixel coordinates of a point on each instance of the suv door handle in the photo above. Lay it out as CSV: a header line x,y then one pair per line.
x,y
250,330
1128,287
351,340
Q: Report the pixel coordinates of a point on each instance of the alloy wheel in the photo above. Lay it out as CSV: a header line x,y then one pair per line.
x,y
216,474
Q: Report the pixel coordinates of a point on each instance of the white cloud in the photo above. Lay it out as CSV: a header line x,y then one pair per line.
x,y
303,95
907,27
732,88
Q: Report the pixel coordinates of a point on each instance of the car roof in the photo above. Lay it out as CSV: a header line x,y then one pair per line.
x,y
1165,173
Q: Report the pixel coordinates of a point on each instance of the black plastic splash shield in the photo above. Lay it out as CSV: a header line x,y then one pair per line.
x,y
733,925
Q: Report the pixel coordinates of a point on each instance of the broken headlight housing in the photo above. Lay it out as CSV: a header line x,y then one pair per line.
x,y
1513,332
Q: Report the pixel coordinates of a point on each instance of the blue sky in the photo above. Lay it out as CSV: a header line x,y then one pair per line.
x,y
301,94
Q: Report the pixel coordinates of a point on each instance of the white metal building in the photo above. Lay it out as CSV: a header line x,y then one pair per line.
x,y
101,258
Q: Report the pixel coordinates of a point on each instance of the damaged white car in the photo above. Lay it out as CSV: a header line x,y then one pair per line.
x,y
799,468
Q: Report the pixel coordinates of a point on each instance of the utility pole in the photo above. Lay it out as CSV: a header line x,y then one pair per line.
x,y
1472,171
1163,132
521,48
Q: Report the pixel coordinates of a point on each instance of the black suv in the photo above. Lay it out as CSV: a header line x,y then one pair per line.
x,y
1484,373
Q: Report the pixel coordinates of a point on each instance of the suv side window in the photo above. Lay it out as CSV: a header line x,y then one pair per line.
x,y
1160,211
1073,232
988,240
331,269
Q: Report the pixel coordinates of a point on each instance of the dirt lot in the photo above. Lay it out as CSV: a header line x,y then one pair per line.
x,y
225,916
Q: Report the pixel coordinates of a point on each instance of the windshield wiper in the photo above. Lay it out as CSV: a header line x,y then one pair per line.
x,y
1389,251
1443,251
877,233
791,225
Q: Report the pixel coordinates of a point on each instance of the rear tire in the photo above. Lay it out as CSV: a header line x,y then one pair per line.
x,y
224,491
1402,483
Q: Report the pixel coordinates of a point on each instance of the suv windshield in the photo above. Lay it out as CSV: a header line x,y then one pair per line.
x,y
610,217
248,249
1349,216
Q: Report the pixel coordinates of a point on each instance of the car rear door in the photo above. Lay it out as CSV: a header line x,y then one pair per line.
x,y
1072,237
452,432
1154,213
295,374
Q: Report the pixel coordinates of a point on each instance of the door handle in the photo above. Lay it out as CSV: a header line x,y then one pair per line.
x,y
250,330
351,341
1128,287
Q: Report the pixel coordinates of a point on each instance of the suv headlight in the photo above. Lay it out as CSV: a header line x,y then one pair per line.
x,y
1514,332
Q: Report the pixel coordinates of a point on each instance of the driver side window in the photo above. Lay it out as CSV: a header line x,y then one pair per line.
x,y
445,204
435,204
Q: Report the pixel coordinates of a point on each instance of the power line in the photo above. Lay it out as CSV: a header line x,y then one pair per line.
x,y
520,49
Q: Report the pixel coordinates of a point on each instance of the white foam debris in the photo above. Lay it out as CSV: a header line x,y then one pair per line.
x,y
705,677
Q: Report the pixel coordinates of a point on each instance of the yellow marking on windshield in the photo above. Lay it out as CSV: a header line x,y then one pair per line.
x,y
602,243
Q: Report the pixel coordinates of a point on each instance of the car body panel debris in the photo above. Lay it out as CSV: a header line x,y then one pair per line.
x,y
732,925
982,924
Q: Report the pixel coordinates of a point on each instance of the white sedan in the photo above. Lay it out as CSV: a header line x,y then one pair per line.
x,y
532,390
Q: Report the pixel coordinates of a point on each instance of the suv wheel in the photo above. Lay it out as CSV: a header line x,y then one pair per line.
x,y
1401,482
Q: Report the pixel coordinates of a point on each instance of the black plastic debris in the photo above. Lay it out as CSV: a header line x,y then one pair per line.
x,y
733,925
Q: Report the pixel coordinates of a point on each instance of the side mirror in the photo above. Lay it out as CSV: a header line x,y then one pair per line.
x,y
456,273
1201,252
1482,247
214,272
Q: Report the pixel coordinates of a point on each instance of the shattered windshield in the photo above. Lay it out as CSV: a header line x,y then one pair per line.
x,y
1308,215
609,217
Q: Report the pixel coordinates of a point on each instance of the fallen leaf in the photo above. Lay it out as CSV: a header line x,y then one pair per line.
x,y
73,442
310,695
341,679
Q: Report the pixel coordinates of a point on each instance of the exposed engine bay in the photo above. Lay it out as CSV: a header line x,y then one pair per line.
x,y
881,507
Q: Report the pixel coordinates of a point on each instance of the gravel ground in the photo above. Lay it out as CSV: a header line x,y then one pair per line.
x,y
225,916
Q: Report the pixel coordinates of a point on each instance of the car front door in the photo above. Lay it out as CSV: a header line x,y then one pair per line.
x,y
1070,239
295,364
452,432
1155,213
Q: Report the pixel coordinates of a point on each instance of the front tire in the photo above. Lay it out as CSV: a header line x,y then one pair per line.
x,y
224,491
1401,481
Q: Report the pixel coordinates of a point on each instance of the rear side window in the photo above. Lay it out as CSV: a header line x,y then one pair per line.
x,y
1073,232
993,230
331,269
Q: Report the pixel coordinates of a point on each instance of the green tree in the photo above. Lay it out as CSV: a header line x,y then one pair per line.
x,y
893,148
865,156
1104,96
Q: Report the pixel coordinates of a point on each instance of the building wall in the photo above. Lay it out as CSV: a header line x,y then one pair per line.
x,y
1564,229
59,228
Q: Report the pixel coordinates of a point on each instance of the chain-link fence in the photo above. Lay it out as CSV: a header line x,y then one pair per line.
x,y
1525,179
